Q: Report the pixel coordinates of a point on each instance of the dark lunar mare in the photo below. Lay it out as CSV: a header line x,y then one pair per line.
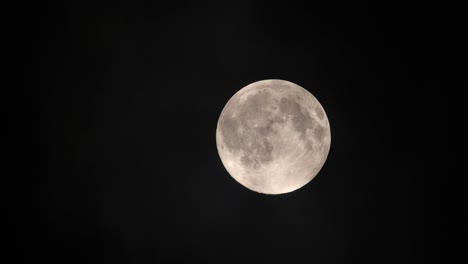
x,y
239,133
301,119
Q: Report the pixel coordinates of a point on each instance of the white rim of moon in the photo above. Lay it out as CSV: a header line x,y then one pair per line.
x,y
273,136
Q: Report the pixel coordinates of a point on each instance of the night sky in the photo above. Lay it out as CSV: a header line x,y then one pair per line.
x,y
118,104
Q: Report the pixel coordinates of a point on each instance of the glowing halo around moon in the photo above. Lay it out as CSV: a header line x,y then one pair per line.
x,y
273,136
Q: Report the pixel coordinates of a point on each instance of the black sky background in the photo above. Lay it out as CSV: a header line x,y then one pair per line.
x,y
118,106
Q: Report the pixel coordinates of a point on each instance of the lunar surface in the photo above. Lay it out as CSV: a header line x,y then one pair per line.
x,y
273,136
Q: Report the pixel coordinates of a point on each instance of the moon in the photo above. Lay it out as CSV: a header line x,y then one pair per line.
x,y
273,136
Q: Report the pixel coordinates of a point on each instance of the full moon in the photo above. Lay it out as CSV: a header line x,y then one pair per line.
x,y
273,136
